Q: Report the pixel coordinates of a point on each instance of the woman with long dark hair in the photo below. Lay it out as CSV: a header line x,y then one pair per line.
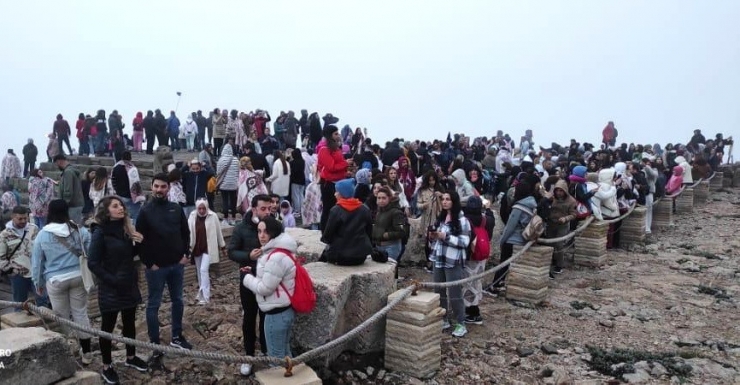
x,y
450,239
113,247
428,202
101,186
332,167
280,178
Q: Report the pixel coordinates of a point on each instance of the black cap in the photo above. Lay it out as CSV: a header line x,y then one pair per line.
x,y
58,157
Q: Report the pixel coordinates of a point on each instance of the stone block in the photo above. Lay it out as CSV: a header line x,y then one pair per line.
x,y
716,182
21,319
535,256
701,193
685,201
663,214
37,356
346,296
414,362
589,260
423,302
309,243
632,231
415,247
82,378
400,332
302,375
526,295
414,318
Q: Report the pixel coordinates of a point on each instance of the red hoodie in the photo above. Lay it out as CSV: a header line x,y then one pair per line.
x,y
332,165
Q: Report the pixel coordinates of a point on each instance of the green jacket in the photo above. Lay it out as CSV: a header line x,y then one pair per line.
x,y
388,222
70,187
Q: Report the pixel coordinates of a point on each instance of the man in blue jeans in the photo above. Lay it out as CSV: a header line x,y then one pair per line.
x,y
164,252
16,245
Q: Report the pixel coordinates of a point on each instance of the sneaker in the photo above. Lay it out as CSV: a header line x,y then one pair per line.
x,y
86,358
446,325
557,270
246,369
155,361
181,342
495,290
429,269
136,363
110,376
475,320
202,302
460,330
552,276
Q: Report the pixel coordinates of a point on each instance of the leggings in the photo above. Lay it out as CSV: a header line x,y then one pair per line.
x,y
229,202
328,200
128,317
217,144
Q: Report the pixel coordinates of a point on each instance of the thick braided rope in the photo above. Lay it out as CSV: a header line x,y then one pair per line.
x,y
49,314
697,183
675,195
319,351
583,226
711,177
482,275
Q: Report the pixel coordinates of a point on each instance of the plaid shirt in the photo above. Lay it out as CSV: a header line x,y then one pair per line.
x,y
452,250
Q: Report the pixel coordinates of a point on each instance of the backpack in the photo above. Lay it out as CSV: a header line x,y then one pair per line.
x,y
535,227
303,299
211,185
481,245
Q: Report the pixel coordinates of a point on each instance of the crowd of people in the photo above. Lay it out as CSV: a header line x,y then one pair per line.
x,y
87,229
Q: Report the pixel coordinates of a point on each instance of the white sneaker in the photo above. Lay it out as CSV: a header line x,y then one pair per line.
x,y
446,325
86,358
202,302
246,369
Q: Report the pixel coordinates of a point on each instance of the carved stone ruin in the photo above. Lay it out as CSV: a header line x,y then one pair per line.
x,y
529,275
413,335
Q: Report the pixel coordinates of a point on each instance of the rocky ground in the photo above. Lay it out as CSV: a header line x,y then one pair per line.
x,y
663,313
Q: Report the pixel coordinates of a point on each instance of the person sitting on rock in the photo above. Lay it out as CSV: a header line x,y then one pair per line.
x,y
348,228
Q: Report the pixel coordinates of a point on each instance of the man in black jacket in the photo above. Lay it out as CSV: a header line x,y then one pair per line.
x,y
164,252
244,249
194,185
30,152
201,122
160,128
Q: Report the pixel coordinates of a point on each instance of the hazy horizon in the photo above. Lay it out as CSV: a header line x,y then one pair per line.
x,y
412,69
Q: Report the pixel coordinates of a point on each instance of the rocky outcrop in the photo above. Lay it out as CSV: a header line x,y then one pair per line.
x,y
309,243
346,296
37,356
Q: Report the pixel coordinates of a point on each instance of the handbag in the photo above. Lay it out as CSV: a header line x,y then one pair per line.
x,y
582,211
88,279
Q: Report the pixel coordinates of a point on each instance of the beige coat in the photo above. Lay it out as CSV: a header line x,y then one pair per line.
x,y
213,234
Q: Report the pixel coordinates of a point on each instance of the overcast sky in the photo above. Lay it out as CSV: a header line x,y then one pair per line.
x,y
416,69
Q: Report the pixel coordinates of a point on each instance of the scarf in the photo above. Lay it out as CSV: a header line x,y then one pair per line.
x,y
134,183
349,204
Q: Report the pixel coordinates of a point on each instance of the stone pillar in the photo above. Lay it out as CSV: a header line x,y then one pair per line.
x,y
685,201
716,182
701,193
591,245
413,335
663,214
529,275
633,228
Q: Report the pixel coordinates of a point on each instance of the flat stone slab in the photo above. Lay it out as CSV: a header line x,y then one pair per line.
x,y
346,296
82,378
37,356
302,375
309,243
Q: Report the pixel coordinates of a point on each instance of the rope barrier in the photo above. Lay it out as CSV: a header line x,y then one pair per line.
x,y
581,228
697,183
710,178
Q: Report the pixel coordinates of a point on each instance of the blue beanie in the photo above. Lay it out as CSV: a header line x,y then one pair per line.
x,y
346,188
580,171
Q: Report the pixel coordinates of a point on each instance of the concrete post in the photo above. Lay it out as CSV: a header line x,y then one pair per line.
x,y
663,214
685,201
529,275
716,182
591,245
413,338
633,228
701,193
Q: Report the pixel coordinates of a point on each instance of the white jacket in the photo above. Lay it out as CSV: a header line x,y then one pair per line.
x,y
681,161
189,128
604,202
280,182
273,268
214,236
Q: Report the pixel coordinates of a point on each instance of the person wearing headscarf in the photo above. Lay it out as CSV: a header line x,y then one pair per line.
x,y
206,244
362,190
138,126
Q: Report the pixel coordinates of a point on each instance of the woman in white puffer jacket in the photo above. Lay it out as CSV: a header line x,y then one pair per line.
x,y
275,284
687,178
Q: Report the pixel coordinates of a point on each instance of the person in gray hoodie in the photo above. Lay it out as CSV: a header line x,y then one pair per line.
x,y
520,216
463,187
651,175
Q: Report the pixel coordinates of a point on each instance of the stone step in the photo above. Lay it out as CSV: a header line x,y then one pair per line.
x,y
38,357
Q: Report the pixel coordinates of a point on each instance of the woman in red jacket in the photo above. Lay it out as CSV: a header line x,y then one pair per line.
x,y
332,167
